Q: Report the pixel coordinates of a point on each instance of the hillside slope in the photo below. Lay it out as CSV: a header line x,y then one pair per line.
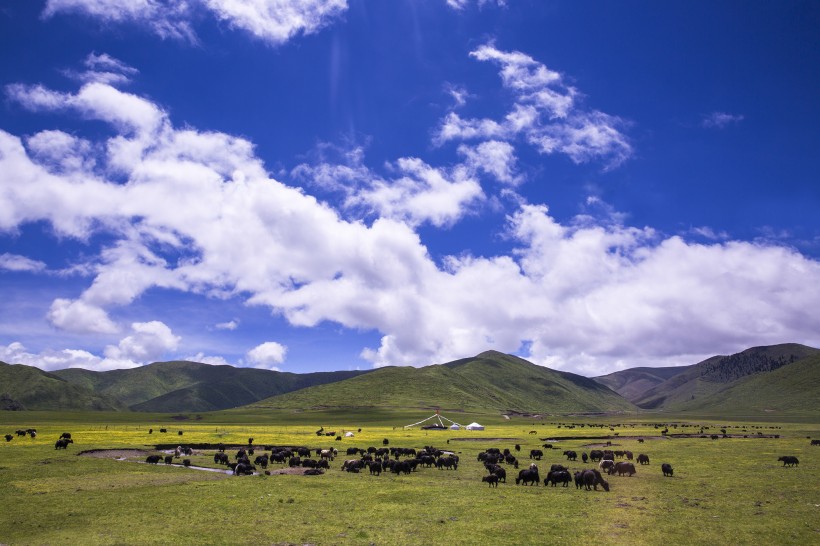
x,y
634,382
491,380
714,374
28,388
183,386
793,388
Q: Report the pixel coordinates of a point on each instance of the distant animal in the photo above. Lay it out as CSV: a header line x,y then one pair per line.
x,y
9,437
558,476
169,459
584,457
66,435
179,433
313,472
221,458
528,476
518,446
643,458
789,460
815,442
667,469
153,459
244,469
606,465
163,430
491,480
596,455
571,455
640,440
623,467
186,462
385,442
536,454
592,479
62,443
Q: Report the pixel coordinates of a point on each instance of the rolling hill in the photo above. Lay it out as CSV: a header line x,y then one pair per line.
x,y
182,386
28,388
489,381
634,382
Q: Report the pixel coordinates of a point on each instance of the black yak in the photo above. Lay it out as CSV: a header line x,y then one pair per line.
x,y
667,469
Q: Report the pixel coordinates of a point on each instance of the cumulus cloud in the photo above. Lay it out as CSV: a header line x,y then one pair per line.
x,y
14,262
267,355
545,112
273,21
80,317
197,212
148,341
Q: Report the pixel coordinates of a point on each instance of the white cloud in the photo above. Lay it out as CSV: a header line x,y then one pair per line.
x,y
494,158
104,68
720,120
80,317
274,21
230,325
166,18
149,341
545,112
49,360
202,358
464,4
14,262
268,355
197,212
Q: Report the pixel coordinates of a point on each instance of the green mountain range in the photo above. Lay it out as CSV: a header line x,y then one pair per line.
x,y
761,378
489,381
779,378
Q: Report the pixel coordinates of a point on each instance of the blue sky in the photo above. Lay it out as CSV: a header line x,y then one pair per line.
x,y
333,184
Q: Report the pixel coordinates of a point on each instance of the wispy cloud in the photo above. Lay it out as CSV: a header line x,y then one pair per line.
x,y
273,21
545,113
720,120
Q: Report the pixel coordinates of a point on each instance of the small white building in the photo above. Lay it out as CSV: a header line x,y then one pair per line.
x,y
455,426
474,426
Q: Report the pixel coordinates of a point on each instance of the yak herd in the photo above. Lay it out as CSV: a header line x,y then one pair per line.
x,y
398,460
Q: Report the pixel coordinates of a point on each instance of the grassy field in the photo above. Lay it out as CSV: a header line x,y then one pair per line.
x,y
728,491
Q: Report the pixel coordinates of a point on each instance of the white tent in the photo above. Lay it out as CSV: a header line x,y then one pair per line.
x,y
348,434
438,422
474,426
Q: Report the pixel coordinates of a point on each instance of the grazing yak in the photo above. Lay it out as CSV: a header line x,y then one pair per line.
x,y
815,442
497,471
606,465
667,469
313,472
153,459
221,458
244,469
596,455
623,467
536,454
584,457
643,458
62,443
592,479
558,476
571,455
528,476
492,480
169,459
9,437
789,460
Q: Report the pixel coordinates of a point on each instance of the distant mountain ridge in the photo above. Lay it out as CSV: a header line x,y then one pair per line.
x,y
775,378
488,381
709,383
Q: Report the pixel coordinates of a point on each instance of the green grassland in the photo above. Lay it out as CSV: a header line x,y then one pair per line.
x,y
728,491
